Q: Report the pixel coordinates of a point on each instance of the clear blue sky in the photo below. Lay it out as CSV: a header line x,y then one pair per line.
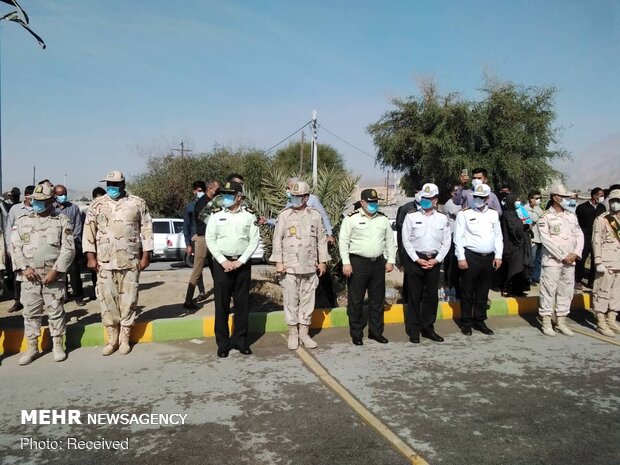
x,y
123,79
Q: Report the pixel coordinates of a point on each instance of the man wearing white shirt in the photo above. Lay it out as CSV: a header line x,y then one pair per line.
x,y
426,239
478,245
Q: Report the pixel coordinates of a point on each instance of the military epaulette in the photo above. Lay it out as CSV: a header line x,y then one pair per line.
x,y
216,209
465,209
250,210
381,213
353,212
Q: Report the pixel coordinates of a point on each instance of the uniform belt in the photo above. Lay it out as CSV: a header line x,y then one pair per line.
x,y
368,259
426,255
232,257
478,253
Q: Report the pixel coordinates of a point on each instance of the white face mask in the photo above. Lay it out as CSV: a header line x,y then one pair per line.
x,y
476,182
614,206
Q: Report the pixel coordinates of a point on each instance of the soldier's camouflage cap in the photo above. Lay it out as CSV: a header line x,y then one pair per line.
x,y
114,176
300,188
42,192
615,194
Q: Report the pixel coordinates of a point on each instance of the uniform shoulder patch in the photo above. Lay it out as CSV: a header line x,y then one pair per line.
x,y
354,212
382,214
250,210
216,209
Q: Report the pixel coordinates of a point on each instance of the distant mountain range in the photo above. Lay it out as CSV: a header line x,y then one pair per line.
x,y
596,166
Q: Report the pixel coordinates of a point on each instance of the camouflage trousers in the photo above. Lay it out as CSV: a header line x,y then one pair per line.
x,y
298,295
36,296
606,292
117,293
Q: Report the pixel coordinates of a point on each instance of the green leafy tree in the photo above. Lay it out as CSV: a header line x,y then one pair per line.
x,y
287,159
510,132
166,184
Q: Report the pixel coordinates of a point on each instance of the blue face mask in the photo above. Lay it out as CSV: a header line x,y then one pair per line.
x,y
479,203
296,201
426,204
199,195
228,200
113,191
572,203
38,206
372,207
288,196
61,198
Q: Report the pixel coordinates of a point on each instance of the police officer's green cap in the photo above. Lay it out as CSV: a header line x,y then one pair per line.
x,y
231,187
369,195
42,192
114,176
300,188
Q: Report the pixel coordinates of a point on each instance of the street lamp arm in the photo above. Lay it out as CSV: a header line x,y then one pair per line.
x,y
19,21
19,9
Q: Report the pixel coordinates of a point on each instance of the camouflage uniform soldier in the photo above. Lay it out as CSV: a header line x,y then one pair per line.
x,y
299,250
42,248
118,240
606,253
562,240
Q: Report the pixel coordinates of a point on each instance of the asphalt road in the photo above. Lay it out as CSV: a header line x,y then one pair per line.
x,y
515,398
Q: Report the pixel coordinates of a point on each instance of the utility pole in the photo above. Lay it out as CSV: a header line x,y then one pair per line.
x,y
301,155
387,188
315,151
182,149
34,175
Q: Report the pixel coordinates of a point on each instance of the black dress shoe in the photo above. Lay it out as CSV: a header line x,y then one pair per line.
x,y
415,339
466,330
358,342
433,336
243,349
201,298
379,339
222,353
15,308
190,306
484,329
80,301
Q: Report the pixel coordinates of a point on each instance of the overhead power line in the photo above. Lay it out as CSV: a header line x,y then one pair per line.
x,y
287,138
346,142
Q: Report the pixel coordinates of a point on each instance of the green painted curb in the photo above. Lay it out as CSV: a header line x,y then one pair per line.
x,y
175,328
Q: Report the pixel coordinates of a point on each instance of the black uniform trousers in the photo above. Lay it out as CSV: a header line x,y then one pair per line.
x,y
235,284
75,277
421,308
368,274
475,284
581,263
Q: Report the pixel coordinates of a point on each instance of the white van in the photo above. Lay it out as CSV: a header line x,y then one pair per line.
x,y
169,242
